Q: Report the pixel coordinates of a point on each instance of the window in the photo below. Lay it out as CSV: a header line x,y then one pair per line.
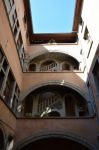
x,y
15,31
1,56
91,43
14,17
96,75
14,104
15,99
86,34
17,24
5,65
88,40
17,91
11,2
19,42
13,20
2,76
82,24
9,88
3,69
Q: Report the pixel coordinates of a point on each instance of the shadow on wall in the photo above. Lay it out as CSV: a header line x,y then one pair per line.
x,y
92,81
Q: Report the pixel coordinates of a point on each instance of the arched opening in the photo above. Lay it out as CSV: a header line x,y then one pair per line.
x,y
65,66
55,143
75,106
44,100
2,143
54,61
32,67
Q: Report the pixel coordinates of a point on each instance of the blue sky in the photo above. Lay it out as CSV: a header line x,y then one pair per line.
x,y
52,16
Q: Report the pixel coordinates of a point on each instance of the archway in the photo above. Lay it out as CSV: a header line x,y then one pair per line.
x,y
55,143
42,101
52,141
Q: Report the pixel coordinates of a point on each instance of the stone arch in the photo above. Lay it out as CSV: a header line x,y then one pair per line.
x,y
56,51
61,83
61,135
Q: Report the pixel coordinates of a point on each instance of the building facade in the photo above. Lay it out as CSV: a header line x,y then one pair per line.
x,y
49,84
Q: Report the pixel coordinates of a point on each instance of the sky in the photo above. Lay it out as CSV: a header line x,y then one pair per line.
x,y
52,16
